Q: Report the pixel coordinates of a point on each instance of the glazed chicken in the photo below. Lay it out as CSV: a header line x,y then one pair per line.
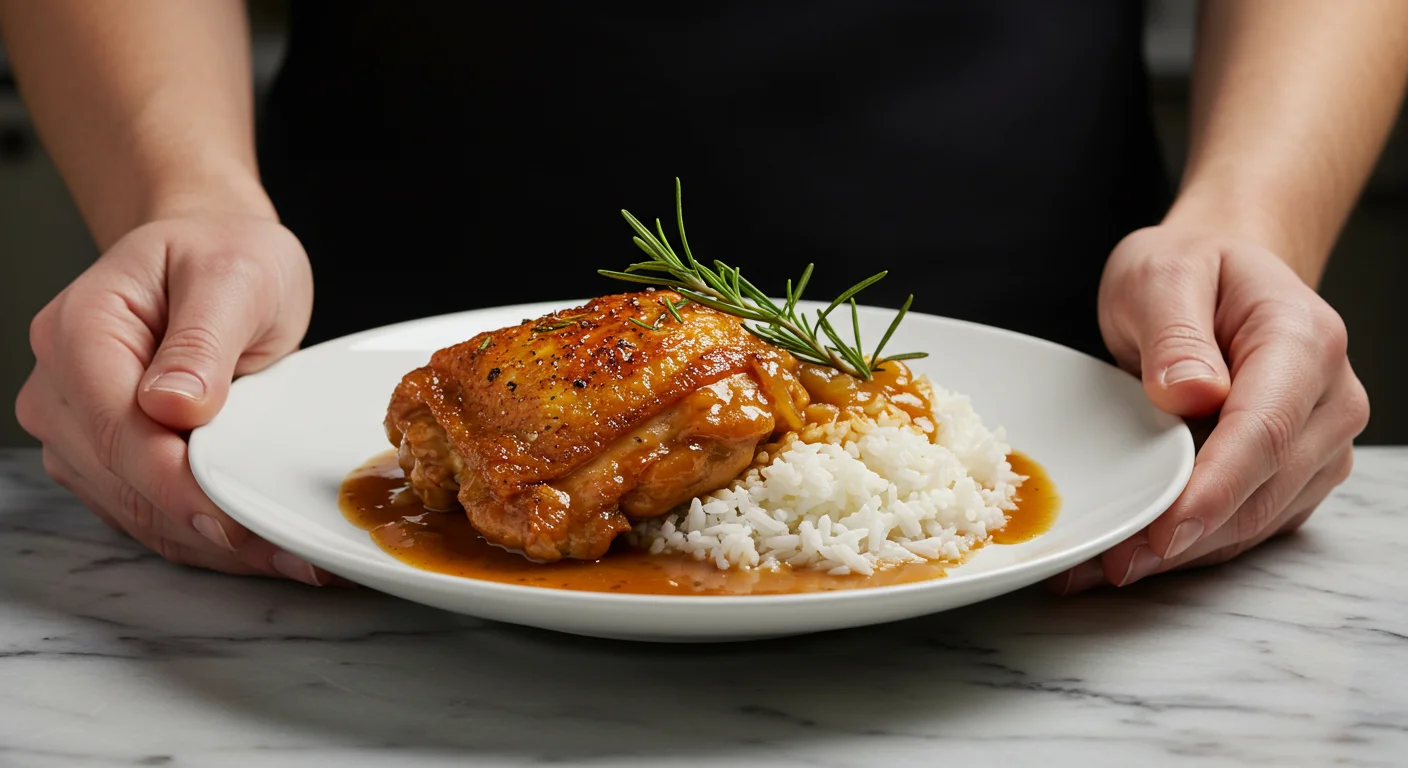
x,y
555,434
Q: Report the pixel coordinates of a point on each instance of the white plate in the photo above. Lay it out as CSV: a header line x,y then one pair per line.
x,y
276,454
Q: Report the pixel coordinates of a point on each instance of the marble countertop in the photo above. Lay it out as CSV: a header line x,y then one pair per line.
x,y
1295,654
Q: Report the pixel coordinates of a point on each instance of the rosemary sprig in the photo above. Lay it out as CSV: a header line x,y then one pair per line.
x,y
724,288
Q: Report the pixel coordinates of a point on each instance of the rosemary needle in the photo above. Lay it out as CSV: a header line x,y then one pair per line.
x,y
724,288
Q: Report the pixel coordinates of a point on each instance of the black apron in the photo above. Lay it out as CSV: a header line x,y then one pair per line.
x,y
436,156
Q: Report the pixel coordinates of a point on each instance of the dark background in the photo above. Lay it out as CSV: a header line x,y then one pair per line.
x,y
43,244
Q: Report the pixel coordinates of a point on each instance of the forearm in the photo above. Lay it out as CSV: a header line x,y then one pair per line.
x,y
146,108
1291,104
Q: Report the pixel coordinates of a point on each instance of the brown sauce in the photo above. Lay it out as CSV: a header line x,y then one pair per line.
x,y
375,498
833,392
1037,503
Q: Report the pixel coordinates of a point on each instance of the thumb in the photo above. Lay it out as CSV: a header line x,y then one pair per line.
x,y
1181,365
211,322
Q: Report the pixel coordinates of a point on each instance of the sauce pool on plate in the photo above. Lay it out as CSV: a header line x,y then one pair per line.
x,y
375,498
1037,503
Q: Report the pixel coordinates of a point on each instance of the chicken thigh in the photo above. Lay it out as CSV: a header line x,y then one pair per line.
x,y
556,433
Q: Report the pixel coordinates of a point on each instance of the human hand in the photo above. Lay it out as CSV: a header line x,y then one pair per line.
x,y
1212,323
142,347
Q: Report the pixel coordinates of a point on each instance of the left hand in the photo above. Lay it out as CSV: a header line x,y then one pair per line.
x,y
1218,325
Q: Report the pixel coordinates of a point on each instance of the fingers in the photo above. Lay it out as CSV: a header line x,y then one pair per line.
x,y
159,502
1220,547
65,475
164,319
1241,469
1266,440
102,433
149,503
170,550
1088,575
1319,459
1180,364
98,427
1224,546
1169,299
210,326
1272,398
121,506
1323,446
1162,314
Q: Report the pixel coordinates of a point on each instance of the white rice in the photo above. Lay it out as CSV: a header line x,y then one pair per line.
x,y
854,497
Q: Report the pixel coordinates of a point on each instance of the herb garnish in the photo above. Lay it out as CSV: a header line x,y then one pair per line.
x,y
725,289
675,309
558,324
671,307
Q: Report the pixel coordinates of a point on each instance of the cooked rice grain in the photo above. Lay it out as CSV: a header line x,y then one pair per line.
x,y
854,496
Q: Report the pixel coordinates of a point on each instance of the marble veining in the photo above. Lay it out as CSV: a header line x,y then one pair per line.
x,y
1296,654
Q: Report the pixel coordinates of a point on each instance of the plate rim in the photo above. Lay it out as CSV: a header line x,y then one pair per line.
x,y
395,571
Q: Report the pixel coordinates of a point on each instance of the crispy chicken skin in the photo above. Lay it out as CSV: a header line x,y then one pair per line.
x,y
554,434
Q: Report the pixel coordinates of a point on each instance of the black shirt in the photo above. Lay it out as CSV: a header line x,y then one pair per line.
x,y
436,156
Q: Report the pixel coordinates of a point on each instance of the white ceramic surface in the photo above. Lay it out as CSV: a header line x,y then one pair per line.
x,y
276,454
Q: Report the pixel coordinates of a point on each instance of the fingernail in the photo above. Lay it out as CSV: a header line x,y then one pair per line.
x,y
1143,563
296,569
1184,536
187,385
1087,575
1187,370
211,529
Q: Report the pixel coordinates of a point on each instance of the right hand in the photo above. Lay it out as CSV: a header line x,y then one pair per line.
x,y
141,348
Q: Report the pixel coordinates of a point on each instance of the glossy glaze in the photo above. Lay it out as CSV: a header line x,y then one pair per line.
x,y
554,434
833,392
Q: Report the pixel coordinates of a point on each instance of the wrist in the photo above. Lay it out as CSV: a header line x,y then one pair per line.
x,y
237,193
191,192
